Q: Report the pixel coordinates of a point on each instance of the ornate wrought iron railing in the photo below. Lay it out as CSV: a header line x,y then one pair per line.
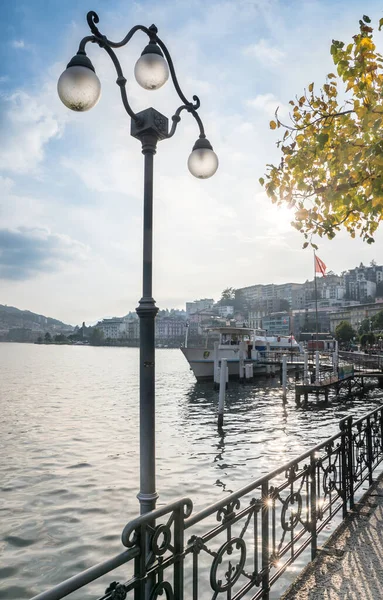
x,y
241,545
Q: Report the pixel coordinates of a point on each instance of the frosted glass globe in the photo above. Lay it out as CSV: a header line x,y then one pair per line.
x,y
203,163
151,71
79,88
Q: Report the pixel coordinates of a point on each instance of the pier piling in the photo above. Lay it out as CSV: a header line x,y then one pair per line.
x,y
222,391
284,378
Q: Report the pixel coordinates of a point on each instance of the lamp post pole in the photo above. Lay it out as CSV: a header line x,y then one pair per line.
x,y
79,89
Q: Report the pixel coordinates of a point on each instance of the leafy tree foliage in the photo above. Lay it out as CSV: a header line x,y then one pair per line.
x,y
47,337
331,170
344,332
227,296
367,338
374,323
96,337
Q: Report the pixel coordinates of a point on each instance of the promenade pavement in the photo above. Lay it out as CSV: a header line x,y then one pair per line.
x,y
350,565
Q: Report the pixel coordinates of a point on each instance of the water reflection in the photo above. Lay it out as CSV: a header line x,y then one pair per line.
x,y
69,437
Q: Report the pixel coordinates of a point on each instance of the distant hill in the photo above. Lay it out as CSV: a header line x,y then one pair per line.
x,y
24,325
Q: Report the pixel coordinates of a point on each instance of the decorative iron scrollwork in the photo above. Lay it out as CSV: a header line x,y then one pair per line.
x,y
330,476
292,499
160,588
160,548
117,591
227,512
233,572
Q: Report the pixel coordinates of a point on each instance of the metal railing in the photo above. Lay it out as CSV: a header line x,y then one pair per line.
x,y
275,356
363,361
247,540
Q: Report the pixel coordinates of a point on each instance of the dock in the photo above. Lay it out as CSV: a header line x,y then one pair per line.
x,y
349,372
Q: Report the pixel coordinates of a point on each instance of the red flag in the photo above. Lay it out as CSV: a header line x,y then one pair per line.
x,y
320,267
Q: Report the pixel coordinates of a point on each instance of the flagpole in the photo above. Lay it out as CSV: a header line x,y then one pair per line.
x,y
316,301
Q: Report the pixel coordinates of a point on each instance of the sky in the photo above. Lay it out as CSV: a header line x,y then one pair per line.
x,y
71,184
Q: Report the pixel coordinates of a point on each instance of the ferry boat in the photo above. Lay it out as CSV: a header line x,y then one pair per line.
x,y
255,343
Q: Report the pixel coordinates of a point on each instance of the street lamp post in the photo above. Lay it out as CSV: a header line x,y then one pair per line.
x,y
79,89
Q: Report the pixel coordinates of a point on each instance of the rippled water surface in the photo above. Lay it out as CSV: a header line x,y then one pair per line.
x,y
69,450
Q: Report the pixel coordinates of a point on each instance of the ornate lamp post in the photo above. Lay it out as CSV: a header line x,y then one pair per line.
x,y
79,89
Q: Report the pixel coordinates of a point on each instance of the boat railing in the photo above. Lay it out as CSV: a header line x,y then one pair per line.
x,y
246,541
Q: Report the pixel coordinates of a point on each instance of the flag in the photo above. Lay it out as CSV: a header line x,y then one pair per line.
x,y
320,267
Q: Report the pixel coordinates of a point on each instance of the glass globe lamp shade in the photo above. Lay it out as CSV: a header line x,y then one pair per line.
x,y
79,88
151,71
203,161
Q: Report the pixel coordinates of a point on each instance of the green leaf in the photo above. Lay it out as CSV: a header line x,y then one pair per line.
x,y
305,245
261,181
366,19
380,24
314,246
322,138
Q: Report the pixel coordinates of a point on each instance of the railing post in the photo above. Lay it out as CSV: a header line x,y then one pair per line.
x,y
313,506
350,462
381,429
179,528
265,541
369,450
344,457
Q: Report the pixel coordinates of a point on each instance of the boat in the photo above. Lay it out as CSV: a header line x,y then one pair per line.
x,y
253,344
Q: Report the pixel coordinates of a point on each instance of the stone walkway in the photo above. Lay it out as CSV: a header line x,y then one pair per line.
x,y
350,565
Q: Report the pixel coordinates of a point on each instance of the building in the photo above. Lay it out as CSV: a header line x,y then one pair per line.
x,y
198,305
225,311
113,329
362,281
168,328
354,314
277,324
133,329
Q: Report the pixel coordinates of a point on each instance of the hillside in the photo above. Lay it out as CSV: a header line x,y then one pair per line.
x,y
24,325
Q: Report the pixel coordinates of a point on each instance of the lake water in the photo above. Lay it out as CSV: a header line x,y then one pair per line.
x,y
69,450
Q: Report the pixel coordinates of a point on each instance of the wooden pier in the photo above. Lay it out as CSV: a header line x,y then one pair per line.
x,y
348,375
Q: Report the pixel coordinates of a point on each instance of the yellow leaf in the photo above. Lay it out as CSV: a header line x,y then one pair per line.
x,y
367,43
273,125
311,87
350,85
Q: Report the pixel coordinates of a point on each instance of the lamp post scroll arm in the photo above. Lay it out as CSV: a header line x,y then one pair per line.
x,y
176,118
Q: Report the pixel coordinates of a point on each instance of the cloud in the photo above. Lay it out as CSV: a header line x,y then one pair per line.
x,y
26,252
264,52
267,103
29,123
18,44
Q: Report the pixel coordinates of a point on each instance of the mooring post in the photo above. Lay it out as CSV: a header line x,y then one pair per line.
x,y
216,365
241,356
222,391
334,364
317,366
306,368
284,377
249,372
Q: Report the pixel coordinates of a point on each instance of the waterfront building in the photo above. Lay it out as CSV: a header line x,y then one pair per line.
x,y
114,328
133,329
354,314
168,328
277,323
